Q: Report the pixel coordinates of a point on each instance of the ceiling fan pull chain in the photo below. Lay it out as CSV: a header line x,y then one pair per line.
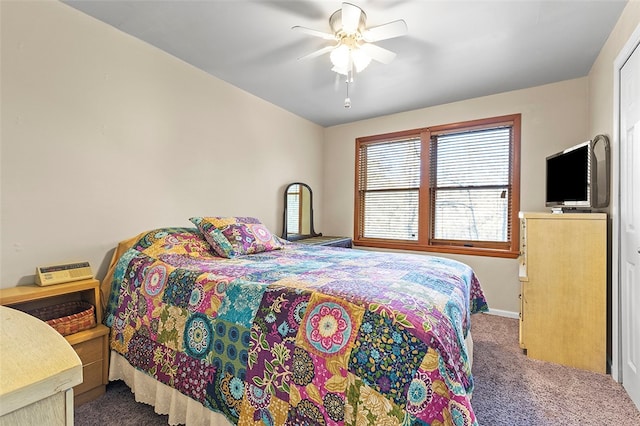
x,y
347,100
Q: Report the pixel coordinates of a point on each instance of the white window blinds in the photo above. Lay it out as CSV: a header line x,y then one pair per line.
x,y
471,185
451,188
388,189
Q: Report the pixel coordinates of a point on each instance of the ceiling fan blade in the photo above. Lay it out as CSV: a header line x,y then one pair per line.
x,y
314,33
385,31
378,53
317,53
350,17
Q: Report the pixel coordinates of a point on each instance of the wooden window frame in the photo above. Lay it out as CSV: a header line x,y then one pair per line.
x,y
508,249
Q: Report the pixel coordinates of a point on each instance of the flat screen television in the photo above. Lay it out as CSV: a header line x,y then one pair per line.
x,y
578,177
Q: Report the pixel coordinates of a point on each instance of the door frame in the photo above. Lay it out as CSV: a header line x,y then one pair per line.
x,y
616,314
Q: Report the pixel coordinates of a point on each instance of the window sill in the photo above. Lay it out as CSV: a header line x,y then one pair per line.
x,y
472,251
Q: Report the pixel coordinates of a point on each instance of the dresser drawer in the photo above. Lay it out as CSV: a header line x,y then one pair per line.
x,y
91,377
89,351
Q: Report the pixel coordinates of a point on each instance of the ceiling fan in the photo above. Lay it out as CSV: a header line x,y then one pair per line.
x,y
354,48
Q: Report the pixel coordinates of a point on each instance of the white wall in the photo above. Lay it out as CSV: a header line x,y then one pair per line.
x,y
601,102
104,136
601,74
554,117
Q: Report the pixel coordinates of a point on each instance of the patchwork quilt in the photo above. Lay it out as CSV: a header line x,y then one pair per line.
x,y
303,335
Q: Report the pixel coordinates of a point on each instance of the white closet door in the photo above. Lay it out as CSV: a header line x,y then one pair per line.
x,y
630,223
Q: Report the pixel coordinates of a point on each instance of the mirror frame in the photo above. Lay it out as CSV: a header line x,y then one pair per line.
x,y
312,231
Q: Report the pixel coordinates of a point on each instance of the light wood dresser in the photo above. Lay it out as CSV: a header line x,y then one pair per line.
x,y
563,279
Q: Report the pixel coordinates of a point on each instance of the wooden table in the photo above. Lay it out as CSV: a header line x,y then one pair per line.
x,y
38,370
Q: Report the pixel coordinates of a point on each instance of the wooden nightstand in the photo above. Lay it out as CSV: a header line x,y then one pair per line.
x,y
92,345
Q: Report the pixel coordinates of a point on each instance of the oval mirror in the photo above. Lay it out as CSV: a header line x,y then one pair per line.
x,y
298,212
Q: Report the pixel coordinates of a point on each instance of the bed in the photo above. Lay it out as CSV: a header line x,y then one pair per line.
x,y
289,333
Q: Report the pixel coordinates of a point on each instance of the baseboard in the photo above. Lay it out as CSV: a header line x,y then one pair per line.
x,y
501,313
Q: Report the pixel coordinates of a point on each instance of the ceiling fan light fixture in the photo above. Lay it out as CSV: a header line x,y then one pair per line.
x,y
360,59
340,58
344,59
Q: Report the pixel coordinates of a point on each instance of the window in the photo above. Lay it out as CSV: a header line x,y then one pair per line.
x,y
451,188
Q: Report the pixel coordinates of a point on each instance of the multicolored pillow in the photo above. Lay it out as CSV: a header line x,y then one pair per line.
x,y
236,236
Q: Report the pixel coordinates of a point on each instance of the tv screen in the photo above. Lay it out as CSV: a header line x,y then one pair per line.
x,y
568,177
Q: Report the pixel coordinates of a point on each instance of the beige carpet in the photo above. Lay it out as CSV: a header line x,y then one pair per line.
x,y
512,389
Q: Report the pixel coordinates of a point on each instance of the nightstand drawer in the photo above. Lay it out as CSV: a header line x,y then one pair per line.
x,y
91,377
89,351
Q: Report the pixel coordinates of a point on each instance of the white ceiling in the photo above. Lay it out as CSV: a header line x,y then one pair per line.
x,y
454,50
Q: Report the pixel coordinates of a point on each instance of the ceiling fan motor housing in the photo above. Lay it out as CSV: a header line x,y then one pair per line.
x,y
335,22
